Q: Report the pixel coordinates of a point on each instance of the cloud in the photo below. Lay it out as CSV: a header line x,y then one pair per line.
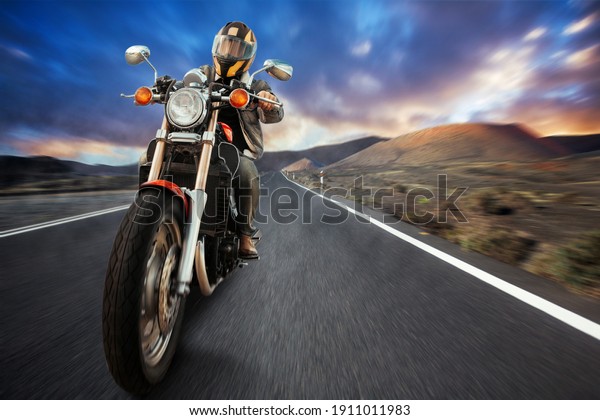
x,y
361,49
364,83
83,150
384,67
535,34
581,25
295,132
583,57
17,53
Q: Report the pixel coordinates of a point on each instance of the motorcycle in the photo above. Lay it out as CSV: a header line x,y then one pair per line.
x,y
182,224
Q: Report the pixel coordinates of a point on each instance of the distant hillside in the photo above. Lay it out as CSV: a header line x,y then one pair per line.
x,y
16,170
568,145
321,155
456,142
301,165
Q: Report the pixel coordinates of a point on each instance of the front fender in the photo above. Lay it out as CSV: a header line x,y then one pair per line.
x,y
171,187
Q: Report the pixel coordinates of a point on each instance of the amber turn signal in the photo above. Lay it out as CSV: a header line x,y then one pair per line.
x,y
143,96
239,98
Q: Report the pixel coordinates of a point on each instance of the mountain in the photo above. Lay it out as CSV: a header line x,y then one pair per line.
x,y
17,170
569,145
455,142
301,165
320,155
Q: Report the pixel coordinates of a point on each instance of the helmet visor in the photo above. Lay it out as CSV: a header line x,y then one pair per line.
x,y
230,47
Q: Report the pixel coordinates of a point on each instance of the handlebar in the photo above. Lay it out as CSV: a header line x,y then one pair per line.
x,y
218,92
216,97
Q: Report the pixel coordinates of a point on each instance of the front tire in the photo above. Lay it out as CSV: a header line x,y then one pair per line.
x,y
142,313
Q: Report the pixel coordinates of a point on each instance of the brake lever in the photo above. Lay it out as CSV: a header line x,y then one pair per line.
x,y
260,98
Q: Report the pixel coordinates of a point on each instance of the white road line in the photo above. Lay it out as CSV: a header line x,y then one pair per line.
x,y
25,229
570,318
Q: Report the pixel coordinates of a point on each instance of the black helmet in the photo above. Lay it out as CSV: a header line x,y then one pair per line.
x,y
233,49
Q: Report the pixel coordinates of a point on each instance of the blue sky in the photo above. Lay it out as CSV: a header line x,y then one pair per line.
x,y
360,67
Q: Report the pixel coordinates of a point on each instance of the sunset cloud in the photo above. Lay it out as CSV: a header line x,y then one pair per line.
x,y
371,67
83,150
584,57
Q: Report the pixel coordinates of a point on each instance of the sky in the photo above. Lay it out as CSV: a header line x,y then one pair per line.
x,y
371,67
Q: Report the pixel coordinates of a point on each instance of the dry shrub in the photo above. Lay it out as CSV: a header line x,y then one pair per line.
x,y
421,217
567,198
506,245
577,263
401,188
496,201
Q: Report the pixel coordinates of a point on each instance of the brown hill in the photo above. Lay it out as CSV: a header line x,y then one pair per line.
x,y
301,165
456,142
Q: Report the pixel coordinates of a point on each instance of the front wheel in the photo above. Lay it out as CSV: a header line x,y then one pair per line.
x,y
142,313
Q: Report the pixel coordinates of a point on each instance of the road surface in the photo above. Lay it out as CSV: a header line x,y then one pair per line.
x,y
330,311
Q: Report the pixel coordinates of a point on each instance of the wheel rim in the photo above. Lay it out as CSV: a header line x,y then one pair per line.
x,y
160,304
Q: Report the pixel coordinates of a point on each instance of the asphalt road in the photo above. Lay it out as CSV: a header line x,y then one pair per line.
x,y
330,311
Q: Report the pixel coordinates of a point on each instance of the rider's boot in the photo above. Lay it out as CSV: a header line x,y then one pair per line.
x,y
247,248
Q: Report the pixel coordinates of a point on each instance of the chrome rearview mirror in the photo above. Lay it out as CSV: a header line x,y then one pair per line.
x,y
276,68
136,54
279,69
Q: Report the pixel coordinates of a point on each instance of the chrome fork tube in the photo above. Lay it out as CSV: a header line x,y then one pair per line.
x,y
159,152
208,142
197,202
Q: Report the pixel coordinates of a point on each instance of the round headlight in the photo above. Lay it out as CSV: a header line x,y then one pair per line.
x,y
186,108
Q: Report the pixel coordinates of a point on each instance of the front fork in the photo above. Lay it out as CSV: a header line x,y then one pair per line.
x,y
196,204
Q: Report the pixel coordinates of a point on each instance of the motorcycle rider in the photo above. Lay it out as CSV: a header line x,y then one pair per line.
x,y
233,51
